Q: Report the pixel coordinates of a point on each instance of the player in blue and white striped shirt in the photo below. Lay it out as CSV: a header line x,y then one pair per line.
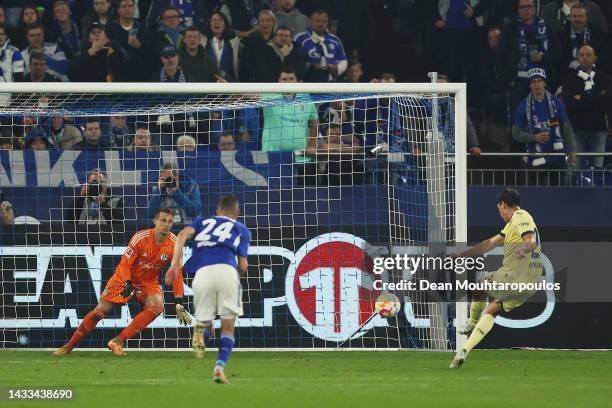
x,y
220,249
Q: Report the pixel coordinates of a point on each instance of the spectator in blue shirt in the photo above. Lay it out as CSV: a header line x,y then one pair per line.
x,y
323,51
177,192
461,40
542,124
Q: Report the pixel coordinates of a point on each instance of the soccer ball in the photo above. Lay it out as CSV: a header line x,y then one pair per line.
x,y
387,305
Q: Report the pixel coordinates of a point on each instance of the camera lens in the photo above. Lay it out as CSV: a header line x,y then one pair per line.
x,y
94,188
169,182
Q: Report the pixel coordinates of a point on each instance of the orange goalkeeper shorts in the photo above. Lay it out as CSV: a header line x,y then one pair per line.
x,y
113,292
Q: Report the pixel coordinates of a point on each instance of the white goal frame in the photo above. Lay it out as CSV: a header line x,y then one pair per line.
x,y
457,89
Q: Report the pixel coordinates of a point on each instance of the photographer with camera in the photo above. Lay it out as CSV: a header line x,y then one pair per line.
x,y
95,204
179,193
6,211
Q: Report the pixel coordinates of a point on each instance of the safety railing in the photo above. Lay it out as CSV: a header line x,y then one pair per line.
x,y
511,169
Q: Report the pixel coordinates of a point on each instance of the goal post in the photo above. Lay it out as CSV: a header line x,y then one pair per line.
x,y
53,271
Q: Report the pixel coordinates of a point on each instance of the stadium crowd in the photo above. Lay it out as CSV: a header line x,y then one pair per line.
x,y
538,72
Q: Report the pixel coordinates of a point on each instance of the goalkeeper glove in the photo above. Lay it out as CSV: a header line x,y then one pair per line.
x,y
181,314
128,289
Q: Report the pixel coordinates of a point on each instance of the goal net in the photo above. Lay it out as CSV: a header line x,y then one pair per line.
x,y
330,177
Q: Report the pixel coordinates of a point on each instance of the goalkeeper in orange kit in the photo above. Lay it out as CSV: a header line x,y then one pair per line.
x,y
137,274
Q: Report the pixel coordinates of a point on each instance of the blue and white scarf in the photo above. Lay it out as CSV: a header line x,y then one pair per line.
x,y
550,124
163,77
586,39
542,40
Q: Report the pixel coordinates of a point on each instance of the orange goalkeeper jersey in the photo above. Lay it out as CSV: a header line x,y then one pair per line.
x,y
143,260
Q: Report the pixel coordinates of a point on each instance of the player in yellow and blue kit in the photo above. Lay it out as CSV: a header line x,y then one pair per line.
x,y
219,254
521,264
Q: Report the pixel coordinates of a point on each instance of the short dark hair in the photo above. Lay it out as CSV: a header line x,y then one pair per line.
x,y
92,119
510,196
95,171
64,2
141,125
334,126
580,6
163,210
6,140
192,28
37,54
320,11
227,202
288,69
387,76
284,27
35,26
173,167
168,8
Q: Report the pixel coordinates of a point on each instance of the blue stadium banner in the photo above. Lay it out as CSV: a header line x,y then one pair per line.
x,y
68,168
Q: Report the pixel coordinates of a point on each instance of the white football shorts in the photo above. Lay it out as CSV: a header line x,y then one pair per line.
x,y
217,291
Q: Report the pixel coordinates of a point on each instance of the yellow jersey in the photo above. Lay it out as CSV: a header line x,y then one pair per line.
x,y
528,269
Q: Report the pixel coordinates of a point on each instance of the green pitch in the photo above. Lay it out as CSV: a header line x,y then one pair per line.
x,y
318,379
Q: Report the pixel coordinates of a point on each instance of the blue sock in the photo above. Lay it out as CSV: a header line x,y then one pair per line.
x,y
207,334
225,349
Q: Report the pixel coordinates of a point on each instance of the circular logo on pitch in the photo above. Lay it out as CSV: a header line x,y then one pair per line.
x,y
329,287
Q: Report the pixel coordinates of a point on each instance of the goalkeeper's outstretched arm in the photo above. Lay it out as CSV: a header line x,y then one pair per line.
x,y
483,247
